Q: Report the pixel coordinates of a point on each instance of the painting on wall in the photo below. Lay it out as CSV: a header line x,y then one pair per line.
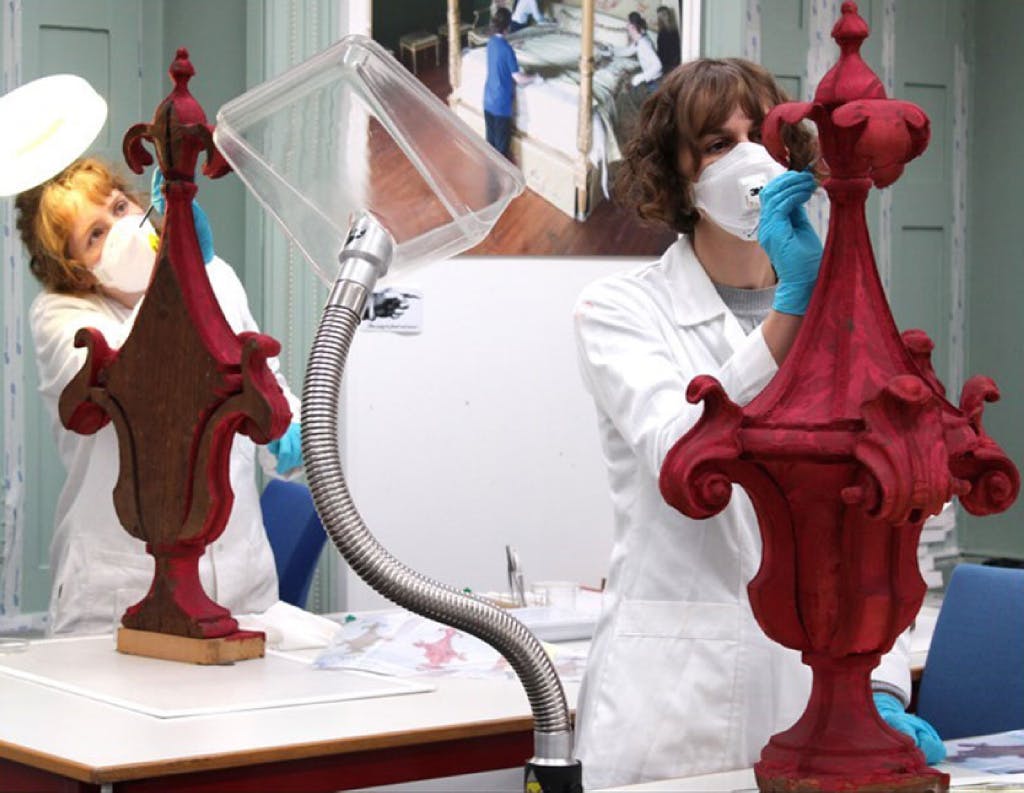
x,y
570,159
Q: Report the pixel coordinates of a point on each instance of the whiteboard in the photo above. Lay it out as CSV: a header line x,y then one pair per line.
x,y
478,432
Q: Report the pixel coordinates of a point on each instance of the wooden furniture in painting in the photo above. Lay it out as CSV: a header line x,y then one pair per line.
x,y
464,30
564,175
415,42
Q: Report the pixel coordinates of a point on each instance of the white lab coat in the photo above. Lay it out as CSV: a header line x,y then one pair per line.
x,y
681,680
96,565
647,55
524,10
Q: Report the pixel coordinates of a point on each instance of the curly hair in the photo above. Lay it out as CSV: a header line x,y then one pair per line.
x,y
46,214
694,100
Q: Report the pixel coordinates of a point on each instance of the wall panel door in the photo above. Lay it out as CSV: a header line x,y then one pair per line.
x,y
927,36
100,41
784,40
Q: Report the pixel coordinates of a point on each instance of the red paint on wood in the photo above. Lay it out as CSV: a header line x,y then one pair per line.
x,y
179,388
844,454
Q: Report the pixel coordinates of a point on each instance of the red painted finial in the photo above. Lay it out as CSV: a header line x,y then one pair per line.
x,y
850,26
175,431
179,132
181,70
844,454
861,133
851,78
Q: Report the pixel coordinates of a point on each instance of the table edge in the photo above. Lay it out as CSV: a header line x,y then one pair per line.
x,y
247,757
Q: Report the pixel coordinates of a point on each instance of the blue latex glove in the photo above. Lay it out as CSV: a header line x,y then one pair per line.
x,y
790,241
924,735
288,449
203,231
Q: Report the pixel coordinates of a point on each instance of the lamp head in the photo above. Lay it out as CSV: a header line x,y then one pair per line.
x,y
351,131
48,124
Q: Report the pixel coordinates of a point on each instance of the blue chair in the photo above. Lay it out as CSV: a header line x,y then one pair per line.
x,y
973,680
296,536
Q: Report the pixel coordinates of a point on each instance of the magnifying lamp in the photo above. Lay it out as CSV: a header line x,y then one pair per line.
x,y
365,169
50,123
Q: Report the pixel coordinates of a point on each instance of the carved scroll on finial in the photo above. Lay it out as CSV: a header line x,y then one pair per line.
x,y
178,132
992,480
903,447
694,482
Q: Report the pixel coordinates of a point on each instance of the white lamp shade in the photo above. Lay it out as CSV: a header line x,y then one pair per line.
x,y
47,124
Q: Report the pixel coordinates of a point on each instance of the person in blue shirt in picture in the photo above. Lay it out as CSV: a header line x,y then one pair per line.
x,y
503,75
525,11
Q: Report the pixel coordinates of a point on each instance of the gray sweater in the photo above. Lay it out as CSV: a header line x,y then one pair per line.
x,y
750,306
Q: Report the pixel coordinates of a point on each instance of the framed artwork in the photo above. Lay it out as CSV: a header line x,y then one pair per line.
x,y
570,158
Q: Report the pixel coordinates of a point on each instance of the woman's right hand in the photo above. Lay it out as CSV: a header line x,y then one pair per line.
x,y
790,240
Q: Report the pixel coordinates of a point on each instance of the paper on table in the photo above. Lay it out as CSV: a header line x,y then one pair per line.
x,y
404,644
992,754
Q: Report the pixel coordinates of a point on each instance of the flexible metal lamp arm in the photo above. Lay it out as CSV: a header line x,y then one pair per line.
x,y
365,258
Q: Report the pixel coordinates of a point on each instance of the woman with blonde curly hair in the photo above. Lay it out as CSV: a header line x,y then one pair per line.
x,y
93,251
681,680
56,223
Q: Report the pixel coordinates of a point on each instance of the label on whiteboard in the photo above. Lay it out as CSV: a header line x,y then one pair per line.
x,y
394,309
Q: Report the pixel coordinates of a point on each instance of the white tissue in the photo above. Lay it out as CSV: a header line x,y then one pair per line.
x,y
290,628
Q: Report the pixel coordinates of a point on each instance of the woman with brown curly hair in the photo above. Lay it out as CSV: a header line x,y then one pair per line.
x,y
681,680
93,252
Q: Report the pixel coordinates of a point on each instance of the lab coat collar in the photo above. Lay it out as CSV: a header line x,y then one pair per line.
x,y
694,297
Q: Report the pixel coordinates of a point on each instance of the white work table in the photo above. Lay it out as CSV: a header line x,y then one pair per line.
x,y
53,739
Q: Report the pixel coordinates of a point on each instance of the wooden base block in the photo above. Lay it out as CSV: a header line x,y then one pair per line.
x,y
931,781
238,646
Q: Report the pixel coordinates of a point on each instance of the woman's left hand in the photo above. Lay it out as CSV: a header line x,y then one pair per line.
x,y
924,735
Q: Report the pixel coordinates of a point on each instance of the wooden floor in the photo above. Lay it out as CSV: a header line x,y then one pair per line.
x,y
531,226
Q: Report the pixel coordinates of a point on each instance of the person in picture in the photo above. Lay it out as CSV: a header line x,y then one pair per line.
x,y
642,48
503,75
668,39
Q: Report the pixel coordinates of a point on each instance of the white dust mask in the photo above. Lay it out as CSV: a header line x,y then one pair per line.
x,y
128,255
728,190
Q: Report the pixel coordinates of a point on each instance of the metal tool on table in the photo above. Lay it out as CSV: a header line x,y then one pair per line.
x,y
515,577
